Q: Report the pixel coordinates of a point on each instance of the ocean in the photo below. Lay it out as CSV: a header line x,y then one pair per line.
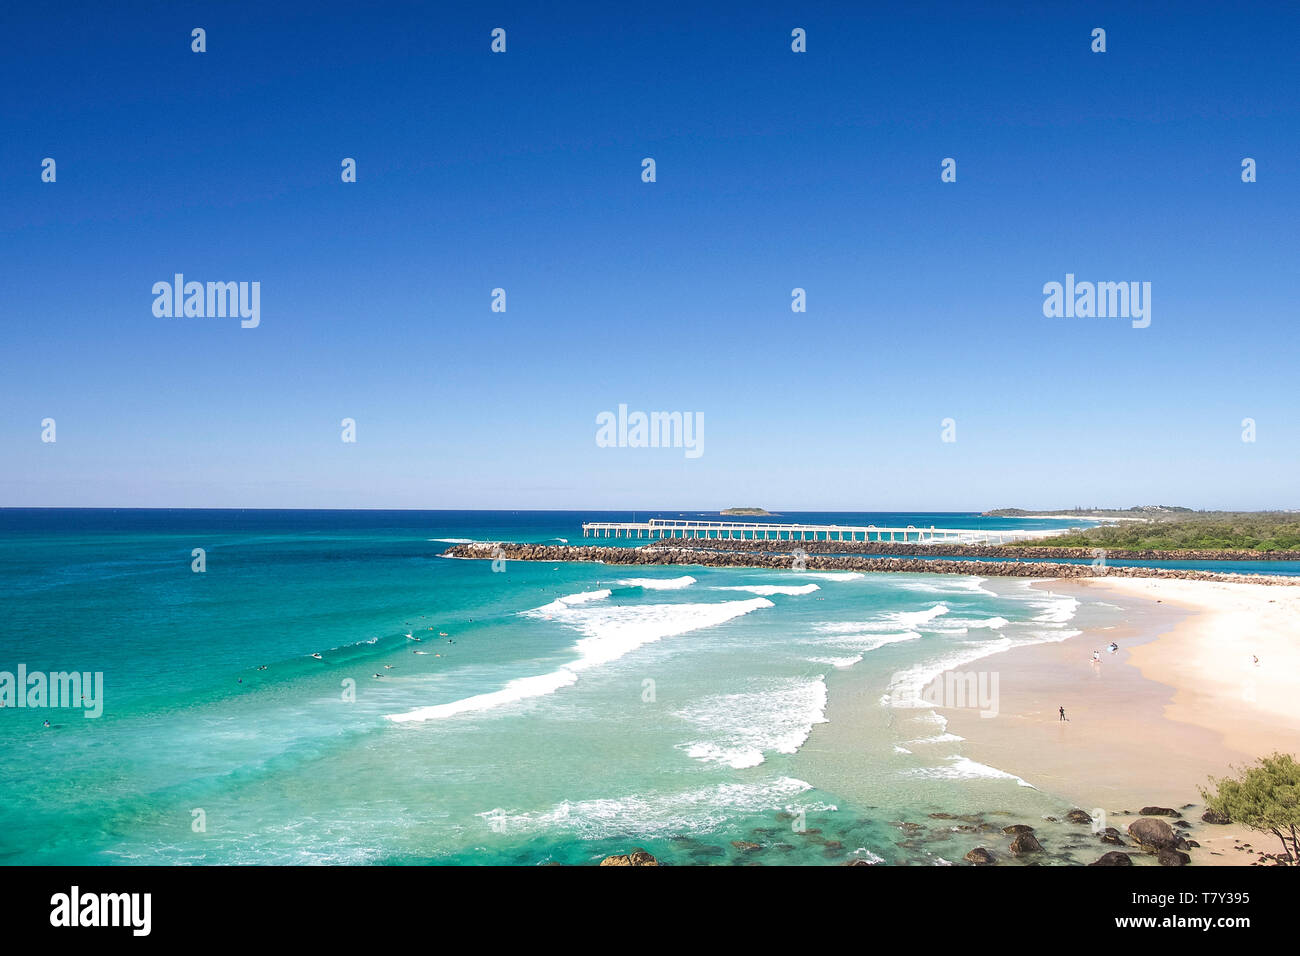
x,y
458,714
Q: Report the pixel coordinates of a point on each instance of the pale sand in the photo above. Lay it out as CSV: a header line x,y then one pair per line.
x,y
1180,702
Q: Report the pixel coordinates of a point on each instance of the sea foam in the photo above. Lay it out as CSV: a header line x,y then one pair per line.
x,y
609,632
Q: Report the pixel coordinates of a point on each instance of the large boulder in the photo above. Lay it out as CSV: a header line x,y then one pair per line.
x,y
1025,843
1159,812
980,857
1017,828
1113,858
1152,835
1214,816
638,857
1078,816
1173,858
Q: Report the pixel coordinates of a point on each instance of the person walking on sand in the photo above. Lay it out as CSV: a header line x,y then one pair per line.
x,y
1062,713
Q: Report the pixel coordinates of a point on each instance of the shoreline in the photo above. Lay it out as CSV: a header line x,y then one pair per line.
x,y
1146,727
1153,722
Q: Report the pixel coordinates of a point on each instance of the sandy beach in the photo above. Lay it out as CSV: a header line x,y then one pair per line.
x,y
1182,699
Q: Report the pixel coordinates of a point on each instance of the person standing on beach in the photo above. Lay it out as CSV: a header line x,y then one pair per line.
x,y
1062,713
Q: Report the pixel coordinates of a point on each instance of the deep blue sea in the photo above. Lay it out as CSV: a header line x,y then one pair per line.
x,y
460,714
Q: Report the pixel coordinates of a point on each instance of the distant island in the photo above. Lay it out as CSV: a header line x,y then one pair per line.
x,y
1138,511
759,512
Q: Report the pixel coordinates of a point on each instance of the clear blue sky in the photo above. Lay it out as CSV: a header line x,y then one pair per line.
x,y
775,170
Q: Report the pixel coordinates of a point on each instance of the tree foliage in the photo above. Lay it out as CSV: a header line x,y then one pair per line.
x,y
1266,797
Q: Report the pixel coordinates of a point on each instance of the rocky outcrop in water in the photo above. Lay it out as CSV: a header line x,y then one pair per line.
x,y
1214,816
1025,843
667,554
638,857
980,857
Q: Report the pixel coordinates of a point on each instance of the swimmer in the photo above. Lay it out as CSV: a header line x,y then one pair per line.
x,y
388,667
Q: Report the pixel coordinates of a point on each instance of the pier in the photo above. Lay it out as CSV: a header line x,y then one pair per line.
x,y
659,528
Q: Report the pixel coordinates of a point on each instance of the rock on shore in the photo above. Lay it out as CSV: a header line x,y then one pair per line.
x,y
1153,834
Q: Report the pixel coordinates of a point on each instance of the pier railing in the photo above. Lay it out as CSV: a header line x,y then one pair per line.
x,y
660,528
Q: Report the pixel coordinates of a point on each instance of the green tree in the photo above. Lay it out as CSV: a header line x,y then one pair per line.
x,y
1266,798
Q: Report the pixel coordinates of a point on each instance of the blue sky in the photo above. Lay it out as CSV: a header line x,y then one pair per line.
x,y
775,170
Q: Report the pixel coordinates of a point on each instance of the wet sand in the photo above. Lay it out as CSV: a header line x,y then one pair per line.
x,y
1178,703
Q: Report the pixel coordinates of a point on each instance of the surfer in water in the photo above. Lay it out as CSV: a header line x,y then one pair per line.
x,y
317,656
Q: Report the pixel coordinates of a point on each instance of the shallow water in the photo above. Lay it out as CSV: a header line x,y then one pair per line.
x,y
572,710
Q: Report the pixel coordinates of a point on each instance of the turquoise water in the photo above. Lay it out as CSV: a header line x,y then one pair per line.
x,y
571,710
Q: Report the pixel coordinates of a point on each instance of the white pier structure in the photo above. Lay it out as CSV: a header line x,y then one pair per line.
x,y
756,531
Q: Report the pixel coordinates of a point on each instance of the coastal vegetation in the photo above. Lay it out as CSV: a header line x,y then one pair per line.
x,y
1260,531
1138,511
1265,798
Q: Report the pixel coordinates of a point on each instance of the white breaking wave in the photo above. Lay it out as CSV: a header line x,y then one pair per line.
x,y
839,663
892,621
972,584
654,814
1057,610
608,632
741,728
944,738
658,584
867,642
833,575
960,625
769,589
562,604
454,540
516,690
963,768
